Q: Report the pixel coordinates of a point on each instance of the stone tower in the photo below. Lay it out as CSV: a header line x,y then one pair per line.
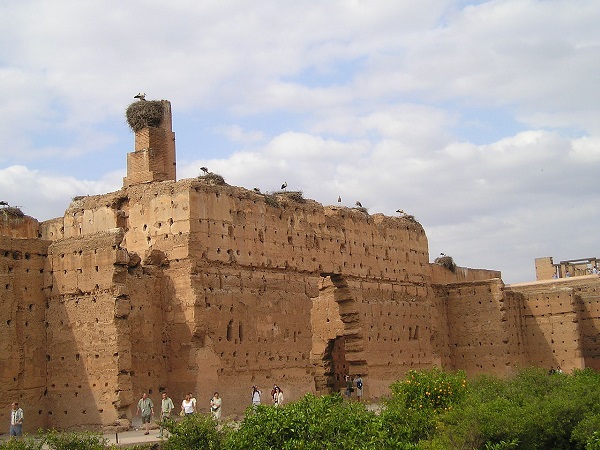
x,y
153,158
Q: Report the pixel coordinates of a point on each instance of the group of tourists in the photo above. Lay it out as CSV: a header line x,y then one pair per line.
x,y
276,396
145,406
145,409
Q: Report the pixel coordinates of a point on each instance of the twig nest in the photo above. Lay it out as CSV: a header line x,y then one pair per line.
x,y
144,114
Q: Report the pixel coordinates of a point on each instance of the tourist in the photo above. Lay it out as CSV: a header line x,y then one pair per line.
x,y
349,387
255,396
145,408
215,406
273,392
16,421
359,388
187,406
193,400
165,411
278,396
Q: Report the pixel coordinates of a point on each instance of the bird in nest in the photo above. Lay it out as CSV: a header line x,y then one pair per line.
x,y
359,204
140,96
284,185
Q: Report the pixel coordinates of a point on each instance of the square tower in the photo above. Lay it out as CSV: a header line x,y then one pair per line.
x,y
153,158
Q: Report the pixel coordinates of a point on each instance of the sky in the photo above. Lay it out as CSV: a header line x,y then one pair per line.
x,y
480,118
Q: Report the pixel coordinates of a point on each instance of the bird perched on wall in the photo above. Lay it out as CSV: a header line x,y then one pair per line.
x,y
3,203
204,169
284,185
340,199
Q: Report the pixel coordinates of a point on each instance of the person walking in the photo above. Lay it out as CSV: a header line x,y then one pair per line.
x,y
359,388
349,388
278,397
166,408
255,396
145,408
16,421
215,406
187,406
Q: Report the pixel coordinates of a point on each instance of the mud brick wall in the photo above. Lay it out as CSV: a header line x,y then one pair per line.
x,y
481,338
88,352
22,329
560,321
145,327
18,226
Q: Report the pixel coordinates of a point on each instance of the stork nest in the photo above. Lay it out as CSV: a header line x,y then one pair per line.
x,y
280,199
213,178
296,196
12,211
447,262
271,200
144,114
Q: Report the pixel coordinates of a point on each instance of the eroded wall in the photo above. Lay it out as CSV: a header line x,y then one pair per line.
x,y
483,330
192,287
560,321
22,328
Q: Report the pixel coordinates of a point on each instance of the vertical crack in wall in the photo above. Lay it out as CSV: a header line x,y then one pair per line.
x,y
338,346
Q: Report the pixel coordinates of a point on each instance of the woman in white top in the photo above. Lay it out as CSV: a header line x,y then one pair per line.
x,y
187,406
255,396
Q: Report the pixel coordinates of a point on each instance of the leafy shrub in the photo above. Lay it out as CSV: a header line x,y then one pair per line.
x,y
537,410
320,423
593,443
196,431
25,443
55,440
411,411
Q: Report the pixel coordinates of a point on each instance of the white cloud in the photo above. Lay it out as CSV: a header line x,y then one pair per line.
x,y
374,101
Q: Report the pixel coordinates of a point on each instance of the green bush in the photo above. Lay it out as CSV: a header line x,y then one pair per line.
x,y
312,423
55,440
24,443
593,443
411,413
196,431
537,410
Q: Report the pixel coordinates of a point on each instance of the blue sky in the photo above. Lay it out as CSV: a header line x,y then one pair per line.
x,y
481,119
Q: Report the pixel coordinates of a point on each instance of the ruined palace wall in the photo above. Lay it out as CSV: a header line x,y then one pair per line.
x,y
89,360
147,330
251,327
394,327
441,275
52,229
588,293
22,329
561,319
231,224
250,261
18,226
482,334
